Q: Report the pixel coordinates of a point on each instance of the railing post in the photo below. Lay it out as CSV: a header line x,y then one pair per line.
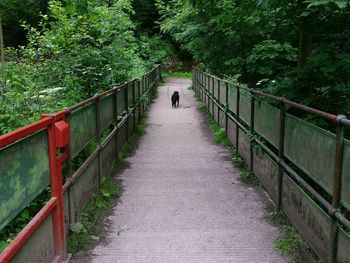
x,y
281,154
212,97
252,113
133,106
69,174
237,116
127,111
98,137
139,98
208,91
219,102
116,117
336,192
56,192
226,107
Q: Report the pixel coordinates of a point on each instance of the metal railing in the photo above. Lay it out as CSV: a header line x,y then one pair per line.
x,y
315,199
32,157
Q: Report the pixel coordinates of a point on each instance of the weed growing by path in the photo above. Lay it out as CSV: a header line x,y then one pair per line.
x,y
290,243
202,108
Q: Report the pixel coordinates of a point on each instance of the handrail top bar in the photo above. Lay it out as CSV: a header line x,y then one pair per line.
x,y
48,119
338,119
24,131
114,89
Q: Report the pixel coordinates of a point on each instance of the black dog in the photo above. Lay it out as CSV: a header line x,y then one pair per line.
x,y
175,99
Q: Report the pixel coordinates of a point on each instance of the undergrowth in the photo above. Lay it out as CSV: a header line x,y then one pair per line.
x,y
179,74
290,243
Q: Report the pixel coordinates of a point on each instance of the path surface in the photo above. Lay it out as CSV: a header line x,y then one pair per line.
x,y
182,201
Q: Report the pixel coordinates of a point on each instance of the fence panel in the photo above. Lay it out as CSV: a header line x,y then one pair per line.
x,y
108,156
244,106
39,247
312,149
121,101
106,111
267,121
307,216
82,127
222,92
24,174
345,198
232,99
343,252
84,186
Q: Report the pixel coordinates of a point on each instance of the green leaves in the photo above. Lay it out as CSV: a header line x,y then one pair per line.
x,y
338,3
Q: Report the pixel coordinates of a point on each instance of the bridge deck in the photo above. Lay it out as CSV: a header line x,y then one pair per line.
x,y
182,200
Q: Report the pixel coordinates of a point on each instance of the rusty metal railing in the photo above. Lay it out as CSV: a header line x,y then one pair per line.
x,y
103,114
210,93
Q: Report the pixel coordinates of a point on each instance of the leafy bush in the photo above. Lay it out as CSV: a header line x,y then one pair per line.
x,y
80,48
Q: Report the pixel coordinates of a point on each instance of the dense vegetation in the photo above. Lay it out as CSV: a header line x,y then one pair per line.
x,y
73,50
297,49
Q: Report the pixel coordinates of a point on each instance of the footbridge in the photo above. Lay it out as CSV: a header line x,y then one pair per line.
x,y
182,199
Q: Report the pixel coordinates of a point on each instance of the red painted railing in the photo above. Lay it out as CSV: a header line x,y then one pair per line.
x,y
56,127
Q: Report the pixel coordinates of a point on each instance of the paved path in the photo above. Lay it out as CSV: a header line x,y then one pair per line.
x,y
182,200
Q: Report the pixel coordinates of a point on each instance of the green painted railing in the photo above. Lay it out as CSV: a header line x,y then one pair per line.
x,y
305,169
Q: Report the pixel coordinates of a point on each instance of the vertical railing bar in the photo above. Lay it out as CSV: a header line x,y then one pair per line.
x,y
226,108
55,167
252,133
336,191
219,101
139,98
127,111
237,116
98,138
281,154
133,105
212,97
69,172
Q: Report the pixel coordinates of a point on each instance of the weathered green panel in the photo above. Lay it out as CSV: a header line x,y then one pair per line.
x,y
82,127
244,145
222,93
231,131
121,137
108,156
244,106
313,224
232,98
121,101
222,119
106,110
39,248
266,122
343,251
66,211
345,198
24,168
216,89
81,191
130,89
311,148
266,170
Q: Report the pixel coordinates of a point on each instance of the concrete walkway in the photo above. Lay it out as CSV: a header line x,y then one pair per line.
x,y
182,201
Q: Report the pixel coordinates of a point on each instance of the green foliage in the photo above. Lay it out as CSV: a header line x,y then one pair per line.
x,y
179,74
79,49
278,42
